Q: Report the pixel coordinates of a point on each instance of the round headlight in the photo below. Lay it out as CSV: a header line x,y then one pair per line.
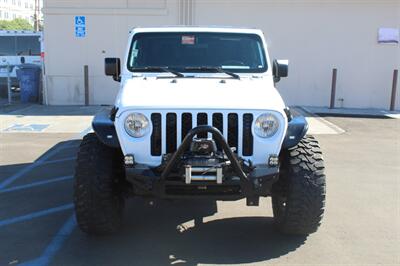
x,y
266,125
137,125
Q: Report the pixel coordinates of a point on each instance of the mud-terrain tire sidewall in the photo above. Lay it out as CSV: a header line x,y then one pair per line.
x,y
298,198
98,199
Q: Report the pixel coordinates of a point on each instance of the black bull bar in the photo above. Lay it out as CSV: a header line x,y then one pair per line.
x,y
218,137
252,185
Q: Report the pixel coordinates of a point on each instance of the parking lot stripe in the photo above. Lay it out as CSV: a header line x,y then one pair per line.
x,y
36,184
19,111
305,112
35,215
25,170
42,160
55,244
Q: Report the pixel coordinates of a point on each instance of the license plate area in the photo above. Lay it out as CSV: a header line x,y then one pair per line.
x,y
205,174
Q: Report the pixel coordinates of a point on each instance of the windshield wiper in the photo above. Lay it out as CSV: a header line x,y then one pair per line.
x,y
159,69
215,69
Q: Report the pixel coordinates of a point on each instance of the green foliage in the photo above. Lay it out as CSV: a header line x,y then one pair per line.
x,y
16,24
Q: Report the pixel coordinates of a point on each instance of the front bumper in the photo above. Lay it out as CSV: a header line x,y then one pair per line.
x,y
166,182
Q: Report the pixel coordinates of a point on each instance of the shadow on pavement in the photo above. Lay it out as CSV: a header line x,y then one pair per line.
x,y
168,232
42,164
154,235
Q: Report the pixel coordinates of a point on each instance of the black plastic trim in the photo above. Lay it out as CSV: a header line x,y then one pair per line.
x,y
202,120
104,128
187,120
297,129
171,132
248,140
156,141
233,131
288,113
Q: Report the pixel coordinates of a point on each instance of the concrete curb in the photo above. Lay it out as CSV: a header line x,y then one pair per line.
x,y
353,112
303,111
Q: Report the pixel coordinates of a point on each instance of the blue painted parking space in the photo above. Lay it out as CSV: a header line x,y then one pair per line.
x,y
27,128
36,210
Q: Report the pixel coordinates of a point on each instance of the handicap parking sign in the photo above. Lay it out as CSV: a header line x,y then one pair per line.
x,y
80,26
80,21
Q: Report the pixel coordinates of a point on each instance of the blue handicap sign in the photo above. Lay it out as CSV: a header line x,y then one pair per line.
x,y
80,26
80,21
80,32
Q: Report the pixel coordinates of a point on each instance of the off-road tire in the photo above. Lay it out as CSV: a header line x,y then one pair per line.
x,y
298,198
98,198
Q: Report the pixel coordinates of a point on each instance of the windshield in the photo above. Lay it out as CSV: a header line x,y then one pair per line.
x,y
19,46
184,52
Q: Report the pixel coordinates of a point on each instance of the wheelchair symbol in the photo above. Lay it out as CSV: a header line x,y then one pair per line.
x,y
80,21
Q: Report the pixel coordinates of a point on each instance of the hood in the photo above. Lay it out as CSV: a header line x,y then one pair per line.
x,y
199,93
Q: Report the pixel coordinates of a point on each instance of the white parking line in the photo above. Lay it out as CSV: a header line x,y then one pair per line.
x,y
42,160
36,184
55,244
33,215
318,125
69,225
30,167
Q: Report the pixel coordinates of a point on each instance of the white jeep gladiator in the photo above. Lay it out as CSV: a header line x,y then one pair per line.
x,y
198,116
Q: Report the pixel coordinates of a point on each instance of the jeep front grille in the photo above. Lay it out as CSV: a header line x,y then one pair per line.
x,y
156,135
169,131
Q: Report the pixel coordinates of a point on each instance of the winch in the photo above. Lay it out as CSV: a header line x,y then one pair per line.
x,y
203,162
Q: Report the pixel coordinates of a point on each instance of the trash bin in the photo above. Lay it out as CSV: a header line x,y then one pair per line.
x,y
29,81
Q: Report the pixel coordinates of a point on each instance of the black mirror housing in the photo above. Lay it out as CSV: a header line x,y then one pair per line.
x,y
280,69
113,68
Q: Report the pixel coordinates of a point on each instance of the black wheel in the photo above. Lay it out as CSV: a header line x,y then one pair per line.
x,y
298,198
98,196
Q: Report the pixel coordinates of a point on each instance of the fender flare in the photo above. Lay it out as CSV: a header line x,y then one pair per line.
x,y
297,129
103,126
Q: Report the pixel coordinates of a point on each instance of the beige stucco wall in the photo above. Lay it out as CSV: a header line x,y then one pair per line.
x,y
315,36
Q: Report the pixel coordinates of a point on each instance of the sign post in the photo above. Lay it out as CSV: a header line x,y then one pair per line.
x,y
9,70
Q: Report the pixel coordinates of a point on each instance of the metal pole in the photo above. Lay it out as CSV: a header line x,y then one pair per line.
x,y
394,89
86,78
9,83
36,16
333,90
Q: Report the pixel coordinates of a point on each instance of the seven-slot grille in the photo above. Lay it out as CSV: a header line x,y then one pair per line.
x,y
170,130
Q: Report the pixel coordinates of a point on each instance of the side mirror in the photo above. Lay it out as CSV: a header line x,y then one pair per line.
x,y
280,69
113,68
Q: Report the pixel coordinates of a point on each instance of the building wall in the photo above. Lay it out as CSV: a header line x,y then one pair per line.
x,y
12,9
108,26
315,35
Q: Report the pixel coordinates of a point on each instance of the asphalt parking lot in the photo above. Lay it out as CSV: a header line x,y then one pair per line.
x,y
37,224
